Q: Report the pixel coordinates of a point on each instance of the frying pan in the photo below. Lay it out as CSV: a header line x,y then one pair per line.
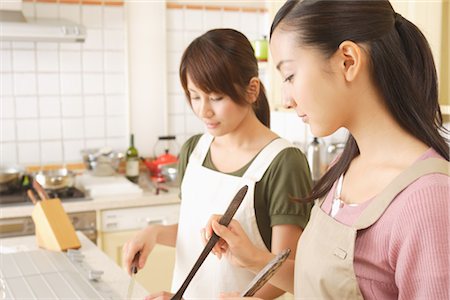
x,y
56,179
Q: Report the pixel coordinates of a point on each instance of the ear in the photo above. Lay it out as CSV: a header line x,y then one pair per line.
x,y
350,59
253,89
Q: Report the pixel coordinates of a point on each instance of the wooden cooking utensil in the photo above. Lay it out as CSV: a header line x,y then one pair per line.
x,y
31,195
264,275
225,220
40,190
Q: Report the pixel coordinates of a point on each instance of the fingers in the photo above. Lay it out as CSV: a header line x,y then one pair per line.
x,y
229,295
230,233
159,296
145,251
130,250
208,228
126,257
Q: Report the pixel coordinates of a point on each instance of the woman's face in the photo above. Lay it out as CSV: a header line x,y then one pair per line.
x,y
310,84
220,113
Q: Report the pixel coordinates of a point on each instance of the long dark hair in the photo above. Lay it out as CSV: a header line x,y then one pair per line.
x,y
222,61
402,65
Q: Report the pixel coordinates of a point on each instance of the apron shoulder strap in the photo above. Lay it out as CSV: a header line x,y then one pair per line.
x,y
377,207
264,158
201,149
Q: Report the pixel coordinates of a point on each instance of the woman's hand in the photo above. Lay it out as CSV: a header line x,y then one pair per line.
x,y
235,296
159,296
236,245
144,242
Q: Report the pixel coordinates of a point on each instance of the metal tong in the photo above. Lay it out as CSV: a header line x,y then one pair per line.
x,y
225,220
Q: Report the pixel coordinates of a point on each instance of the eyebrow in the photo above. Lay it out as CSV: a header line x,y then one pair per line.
x,y
283,62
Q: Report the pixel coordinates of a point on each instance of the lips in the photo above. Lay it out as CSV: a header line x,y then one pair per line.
x,y
212,125
304,118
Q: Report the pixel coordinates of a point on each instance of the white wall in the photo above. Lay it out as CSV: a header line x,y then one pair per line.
x,y
147,72
184,25
59,98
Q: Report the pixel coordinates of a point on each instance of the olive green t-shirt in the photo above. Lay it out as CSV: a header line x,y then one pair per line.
x,y
287,177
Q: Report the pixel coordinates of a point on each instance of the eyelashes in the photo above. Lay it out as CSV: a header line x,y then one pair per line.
x,y
289,78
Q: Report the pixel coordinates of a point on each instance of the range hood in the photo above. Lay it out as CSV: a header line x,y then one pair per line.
x,y
15,27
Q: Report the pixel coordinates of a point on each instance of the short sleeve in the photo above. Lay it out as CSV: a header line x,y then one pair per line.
x,y
288,178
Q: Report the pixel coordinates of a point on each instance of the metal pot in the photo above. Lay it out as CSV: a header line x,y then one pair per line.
x,y
10,173
103,162
10,177
56,179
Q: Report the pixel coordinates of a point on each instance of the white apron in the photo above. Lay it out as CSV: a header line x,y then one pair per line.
x,y
206,192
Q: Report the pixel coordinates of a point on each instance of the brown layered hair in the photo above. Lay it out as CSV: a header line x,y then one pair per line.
x,y
222,61
402,65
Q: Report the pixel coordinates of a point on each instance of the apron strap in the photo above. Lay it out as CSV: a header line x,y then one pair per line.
x,y
264,158
201,149
377,207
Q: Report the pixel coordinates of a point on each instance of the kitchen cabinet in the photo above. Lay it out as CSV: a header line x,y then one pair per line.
x,y
117,226
157,274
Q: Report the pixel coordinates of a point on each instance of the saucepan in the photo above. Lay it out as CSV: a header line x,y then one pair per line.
x,y
10,177
59,179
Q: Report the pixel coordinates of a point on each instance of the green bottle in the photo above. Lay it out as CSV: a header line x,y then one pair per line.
x,y
132,162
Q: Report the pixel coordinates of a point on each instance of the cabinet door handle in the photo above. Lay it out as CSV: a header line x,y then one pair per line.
x,y
153,222
111,225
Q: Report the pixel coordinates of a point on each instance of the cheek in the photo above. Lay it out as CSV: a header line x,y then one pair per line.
x,y
195,107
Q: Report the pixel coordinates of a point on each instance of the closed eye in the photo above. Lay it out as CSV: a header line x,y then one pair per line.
x,y
289,78
217,98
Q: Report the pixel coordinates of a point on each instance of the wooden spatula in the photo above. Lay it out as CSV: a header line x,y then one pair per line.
x,y
225,220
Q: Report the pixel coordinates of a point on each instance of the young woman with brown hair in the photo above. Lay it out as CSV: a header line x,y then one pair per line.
x,y
380,228
219,74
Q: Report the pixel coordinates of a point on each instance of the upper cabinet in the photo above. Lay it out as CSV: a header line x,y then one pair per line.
x,y
432,17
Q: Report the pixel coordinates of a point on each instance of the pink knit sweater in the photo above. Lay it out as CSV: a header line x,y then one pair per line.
x,y
406,253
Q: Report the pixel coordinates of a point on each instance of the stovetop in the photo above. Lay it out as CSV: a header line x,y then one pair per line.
x,y
19,196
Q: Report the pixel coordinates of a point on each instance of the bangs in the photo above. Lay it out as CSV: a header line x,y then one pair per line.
x,y
209,68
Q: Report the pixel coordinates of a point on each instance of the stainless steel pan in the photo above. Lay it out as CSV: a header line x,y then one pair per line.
x,y
8,174
10,178
56,179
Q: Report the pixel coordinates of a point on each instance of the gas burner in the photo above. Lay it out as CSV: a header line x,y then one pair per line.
x,y
66,194
19,197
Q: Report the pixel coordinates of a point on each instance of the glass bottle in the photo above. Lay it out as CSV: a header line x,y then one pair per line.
x,y
313,154
132,162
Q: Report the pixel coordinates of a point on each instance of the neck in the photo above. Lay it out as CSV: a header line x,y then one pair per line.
x,y
246,134
381,139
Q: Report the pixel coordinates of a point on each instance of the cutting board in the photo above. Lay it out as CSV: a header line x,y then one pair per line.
x,y
107,186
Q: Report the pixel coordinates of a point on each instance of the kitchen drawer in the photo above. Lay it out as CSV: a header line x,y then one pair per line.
x,y
138,217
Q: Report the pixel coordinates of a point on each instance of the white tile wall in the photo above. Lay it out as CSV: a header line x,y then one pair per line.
x,y
59,98
184,25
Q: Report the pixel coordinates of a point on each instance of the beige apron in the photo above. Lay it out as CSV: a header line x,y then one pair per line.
x,y
325,252
206,192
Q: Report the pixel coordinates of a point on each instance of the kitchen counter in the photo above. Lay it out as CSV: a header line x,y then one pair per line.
x,y
148,198
114,277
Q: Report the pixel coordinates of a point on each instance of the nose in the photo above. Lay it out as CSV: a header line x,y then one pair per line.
x,y
205,110
288,100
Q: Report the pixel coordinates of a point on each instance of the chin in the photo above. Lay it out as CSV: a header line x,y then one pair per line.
x,y
215,132
321,132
